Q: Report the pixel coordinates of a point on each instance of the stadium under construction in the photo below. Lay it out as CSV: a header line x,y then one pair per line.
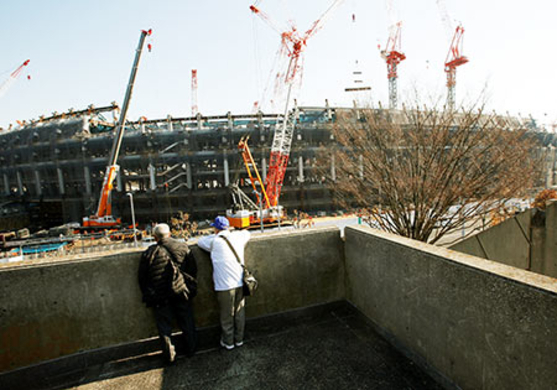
x,y
52,170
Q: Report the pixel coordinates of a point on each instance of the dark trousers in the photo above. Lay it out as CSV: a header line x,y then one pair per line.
x,y
180,309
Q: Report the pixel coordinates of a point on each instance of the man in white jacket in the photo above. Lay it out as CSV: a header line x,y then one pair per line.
x,y
227,276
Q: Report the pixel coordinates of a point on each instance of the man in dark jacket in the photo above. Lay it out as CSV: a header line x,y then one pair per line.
x,y
169,292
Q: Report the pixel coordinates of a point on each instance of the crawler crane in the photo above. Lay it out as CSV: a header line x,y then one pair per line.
x,y
103,217
245,212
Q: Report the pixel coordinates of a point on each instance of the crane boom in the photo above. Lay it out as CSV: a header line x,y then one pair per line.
x,y
121,122
12,78
103,217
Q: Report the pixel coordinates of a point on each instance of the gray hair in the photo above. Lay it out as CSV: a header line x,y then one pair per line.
x,y
161,231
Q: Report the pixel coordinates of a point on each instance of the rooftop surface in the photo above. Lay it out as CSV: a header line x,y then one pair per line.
x,y
329,346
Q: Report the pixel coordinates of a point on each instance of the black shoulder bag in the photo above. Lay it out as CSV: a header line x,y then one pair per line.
x,y
250,283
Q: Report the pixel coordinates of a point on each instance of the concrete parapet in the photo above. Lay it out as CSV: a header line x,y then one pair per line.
x,y
527,241
52,310
507,242
480,324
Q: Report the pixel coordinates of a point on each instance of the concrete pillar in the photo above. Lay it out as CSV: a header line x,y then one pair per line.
x,y
199,124
554,167
544,242
545,155
230,120
87,176
60,181
38,182
152,177
264,165
300,169
169,123
85,125
226,173
333,169
6,185
119,185
329,111
188,175
19,182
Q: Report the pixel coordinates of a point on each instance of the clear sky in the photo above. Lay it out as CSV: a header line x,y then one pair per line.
x,y
81,53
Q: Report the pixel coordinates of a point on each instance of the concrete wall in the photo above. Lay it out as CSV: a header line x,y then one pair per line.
x,y
527,241
481,324
544,243
48,311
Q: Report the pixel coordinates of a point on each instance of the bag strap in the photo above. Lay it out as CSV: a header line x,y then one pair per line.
x,y
174,262
153,254
233,251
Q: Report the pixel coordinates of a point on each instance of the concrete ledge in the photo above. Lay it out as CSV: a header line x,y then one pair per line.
x,y
52,310
479,323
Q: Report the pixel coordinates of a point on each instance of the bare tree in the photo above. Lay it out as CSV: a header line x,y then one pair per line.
x,y
423,173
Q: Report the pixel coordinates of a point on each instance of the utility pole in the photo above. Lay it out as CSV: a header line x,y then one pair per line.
x,y
133,218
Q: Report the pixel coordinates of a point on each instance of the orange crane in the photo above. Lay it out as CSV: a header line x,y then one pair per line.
x,y
453,60
292,44
393,56
103,217
12,78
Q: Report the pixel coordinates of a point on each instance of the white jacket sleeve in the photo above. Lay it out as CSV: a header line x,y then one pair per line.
x,y
206,243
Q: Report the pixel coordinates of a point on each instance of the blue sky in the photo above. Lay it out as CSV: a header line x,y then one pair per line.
x,y
81,53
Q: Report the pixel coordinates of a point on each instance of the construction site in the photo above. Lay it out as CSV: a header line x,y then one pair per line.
x,y
356,289
90,170
53,171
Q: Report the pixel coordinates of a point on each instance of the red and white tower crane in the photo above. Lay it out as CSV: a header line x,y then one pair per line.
x,y
293,42
393,56
12,78
453,60
194,107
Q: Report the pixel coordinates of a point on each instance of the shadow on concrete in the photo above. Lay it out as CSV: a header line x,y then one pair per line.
x,y
330,346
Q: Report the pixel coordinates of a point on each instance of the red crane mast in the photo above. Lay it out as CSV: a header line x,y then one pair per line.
x,y
453,60
393,56
194,107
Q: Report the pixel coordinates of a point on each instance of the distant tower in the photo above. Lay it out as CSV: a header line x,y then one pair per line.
x,y
393,56
194,108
